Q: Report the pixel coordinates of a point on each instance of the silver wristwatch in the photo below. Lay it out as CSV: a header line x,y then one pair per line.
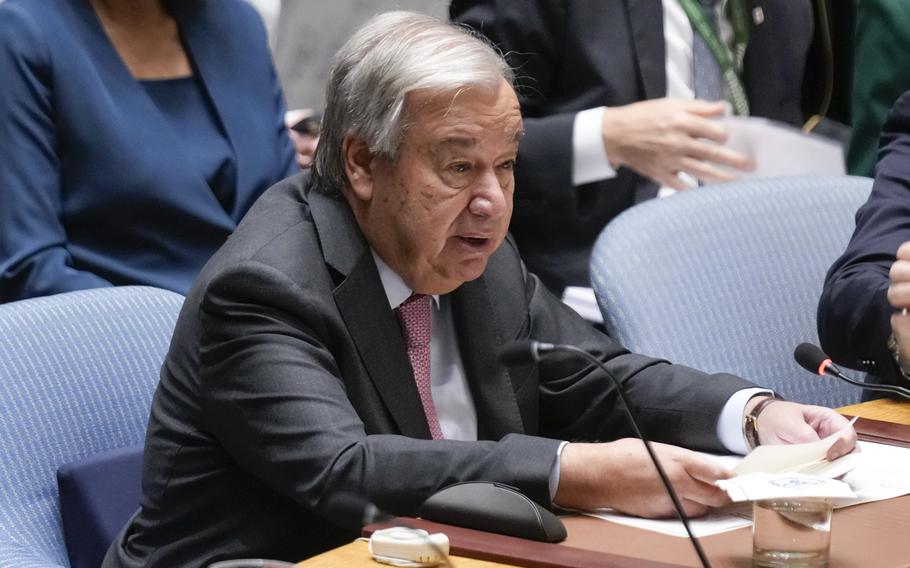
x,y
902,366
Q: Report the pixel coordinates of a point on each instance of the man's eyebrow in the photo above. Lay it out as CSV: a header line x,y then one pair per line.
x,y
460,141
470,142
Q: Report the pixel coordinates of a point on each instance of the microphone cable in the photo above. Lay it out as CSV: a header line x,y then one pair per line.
x,y
518,351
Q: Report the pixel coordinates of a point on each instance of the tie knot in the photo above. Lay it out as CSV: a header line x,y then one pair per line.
x,y
414,315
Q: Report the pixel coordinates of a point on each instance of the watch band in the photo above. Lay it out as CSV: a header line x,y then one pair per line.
x,y
750,424
902,366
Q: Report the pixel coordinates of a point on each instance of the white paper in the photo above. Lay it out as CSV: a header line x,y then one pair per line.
x,y
719,521
779,149
881,472
757,486
808,458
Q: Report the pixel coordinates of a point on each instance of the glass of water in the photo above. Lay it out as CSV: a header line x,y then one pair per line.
x,y
791,533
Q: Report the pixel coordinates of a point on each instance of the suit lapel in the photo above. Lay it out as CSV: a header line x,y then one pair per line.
x,y
478,335
364,307
216,79
650,47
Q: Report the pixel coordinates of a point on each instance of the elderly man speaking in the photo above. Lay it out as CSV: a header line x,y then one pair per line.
x,y
345,339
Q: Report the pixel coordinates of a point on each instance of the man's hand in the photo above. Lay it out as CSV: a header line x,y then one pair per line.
x,y
790,423
620,475
899,297
663,137
304,144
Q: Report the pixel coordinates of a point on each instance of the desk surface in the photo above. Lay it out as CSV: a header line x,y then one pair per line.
x,y
854,529
884,409
357,554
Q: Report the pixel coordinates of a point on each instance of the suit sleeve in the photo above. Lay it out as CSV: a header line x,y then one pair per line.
x,y
854,314
273,396
34,260
674,404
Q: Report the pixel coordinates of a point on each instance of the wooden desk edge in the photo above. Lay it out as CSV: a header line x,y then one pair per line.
x,y
883,432
493,547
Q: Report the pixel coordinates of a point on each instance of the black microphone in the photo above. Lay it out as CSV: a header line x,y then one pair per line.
x,y
523,352
813,359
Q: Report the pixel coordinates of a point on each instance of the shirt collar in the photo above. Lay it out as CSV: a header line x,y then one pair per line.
x,y
396,290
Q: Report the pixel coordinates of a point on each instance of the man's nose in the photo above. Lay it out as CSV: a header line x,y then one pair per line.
x,y
489,199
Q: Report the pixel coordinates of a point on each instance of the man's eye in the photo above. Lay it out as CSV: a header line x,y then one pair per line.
x,y
508,165
460,167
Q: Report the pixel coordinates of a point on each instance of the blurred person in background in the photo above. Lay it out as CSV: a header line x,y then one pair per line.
x,y
619,97
135,135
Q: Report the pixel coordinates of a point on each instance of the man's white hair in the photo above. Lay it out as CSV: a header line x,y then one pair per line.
x,y
394,54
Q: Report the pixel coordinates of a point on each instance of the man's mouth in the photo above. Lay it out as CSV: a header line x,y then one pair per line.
x,y
474,243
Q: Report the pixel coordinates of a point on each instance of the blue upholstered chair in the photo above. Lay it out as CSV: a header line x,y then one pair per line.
x,y
727,277
77,373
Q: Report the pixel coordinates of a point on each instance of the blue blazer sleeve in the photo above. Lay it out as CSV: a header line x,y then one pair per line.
x,y
34,259
854,316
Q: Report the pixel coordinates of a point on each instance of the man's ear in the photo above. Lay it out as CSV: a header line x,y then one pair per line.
x,y
358,165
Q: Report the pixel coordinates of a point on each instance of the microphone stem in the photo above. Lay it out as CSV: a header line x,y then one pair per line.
x,y
878,388
680,514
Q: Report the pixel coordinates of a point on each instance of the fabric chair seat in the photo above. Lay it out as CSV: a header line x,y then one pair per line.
x,y
77,374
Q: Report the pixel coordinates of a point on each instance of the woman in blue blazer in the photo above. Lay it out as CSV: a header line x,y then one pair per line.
x,y
115,171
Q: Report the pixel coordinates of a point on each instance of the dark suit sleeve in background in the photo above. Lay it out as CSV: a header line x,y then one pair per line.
x,y
854,313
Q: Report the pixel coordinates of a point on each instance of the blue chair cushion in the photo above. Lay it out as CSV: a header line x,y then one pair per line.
x,y
97,496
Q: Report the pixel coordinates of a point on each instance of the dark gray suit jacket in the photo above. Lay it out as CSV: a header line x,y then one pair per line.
x,y
288,381
572,55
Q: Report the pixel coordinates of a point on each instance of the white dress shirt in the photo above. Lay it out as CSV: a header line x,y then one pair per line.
x,y
449,386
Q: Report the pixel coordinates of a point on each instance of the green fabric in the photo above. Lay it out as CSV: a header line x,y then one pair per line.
x,y
881,74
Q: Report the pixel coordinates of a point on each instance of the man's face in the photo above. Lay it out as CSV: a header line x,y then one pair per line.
x,y
438,212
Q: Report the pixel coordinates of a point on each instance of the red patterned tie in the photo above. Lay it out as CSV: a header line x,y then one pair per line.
x,y
414,315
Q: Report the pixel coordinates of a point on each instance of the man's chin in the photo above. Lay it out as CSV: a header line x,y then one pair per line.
x,y
451,280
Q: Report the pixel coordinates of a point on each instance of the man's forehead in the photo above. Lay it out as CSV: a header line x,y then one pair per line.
x,y
467,140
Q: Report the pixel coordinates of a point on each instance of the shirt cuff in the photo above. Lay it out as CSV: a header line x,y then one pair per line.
x,y
730,423
554,472
590,162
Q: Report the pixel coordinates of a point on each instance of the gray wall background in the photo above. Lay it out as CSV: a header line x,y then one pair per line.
x,y
309,32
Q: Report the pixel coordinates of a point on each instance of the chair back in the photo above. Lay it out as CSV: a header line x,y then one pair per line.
x,y
728,277
77,374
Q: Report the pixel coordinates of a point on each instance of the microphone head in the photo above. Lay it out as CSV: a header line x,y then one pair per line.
x,y
810,357
517,353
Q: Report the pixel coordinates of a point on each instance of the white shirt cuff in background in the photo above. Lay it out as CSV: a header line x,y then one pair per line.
x,y
589,157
